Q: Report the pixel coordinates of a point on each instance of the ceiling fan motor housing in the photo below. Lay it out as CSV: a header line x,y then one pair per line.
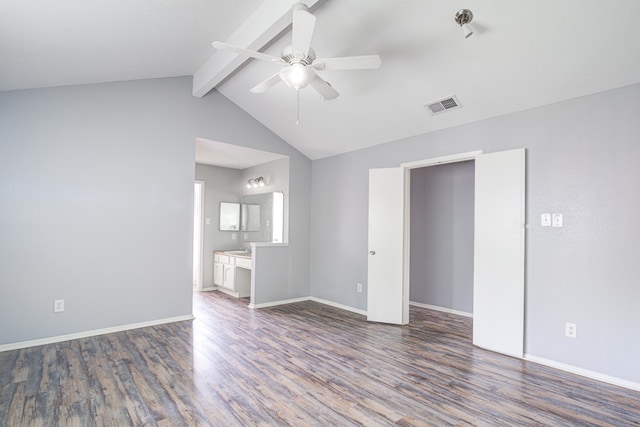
x,y
290,58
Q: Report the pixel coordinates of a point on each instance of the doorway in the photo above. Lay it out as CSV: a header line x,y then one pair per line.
x,y
499,225
441,237
198,234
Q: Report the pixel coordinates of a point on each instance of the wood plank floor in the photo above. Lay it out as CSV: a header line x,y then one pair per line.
x,y
302,364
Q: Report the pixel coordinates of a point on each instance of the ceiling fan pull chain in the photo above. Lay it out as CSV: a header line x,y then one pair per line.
x,y
297,107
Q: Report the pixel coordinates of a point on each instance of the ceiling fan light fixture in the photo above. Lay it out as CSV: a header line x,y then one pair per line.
x,y
297,76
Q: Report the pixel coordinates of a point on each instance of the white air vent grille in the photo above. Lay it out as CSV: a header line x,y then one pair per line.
x,y
442,105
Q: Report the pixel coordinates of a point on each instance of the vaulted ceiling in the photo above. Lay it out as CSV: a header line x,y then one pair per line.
x,y
522,55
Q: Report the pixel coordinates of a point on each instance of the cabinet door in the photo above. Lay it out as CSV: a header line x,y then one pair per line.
x,y
230,277
218,274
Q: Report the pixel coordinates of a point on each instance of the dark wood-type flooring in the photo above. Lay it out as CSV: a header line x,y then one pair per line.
x,y
302,364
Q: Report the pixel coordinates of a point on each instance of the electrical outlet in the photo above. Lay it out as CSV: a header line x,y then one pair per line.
x,y
359,287
545,220
571,330
58,305
233,236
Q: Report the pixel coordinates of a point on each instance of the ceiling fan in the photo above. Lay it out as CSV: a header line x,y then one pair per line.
x,y
299,61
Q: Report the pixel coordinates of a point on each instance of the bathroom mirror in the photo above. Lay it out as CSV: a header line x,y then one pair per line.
x,y
229,216
250,217
263,217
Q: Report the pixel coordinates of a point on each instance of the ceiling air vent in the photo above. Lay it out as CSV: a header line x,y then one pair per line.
x,y
442,105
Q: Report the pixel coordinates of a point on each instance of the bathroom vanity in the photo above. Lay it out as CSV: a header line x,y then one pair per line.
x,y
232,272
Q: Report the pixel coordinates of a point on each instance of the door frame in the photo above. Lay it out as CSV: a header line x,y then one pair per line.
x,y
200,285
407,167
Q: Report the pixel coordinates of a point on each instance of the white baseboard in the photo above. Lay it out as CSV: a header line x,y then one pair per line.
x,y
230,292
318,300
340,306
443,309
92,333
583,372
281,302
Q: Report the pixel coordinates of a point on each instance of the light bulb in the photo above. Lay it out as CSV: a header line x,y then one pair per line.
x,y
297,75
466,29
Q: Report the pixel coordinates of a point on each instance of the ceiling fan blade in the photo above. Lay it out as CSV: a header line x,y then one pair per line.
x,y
247,52
265,85
324,88
348,63
303,24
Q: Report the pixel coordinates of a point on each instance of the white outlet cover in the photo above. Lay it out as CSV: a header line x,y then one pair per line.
x,y
207,221
556,219
571,330
233,236
545,220
58,305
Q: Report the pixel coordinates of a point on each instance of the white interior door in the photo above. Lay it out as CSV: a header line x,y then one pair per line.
x,y
498,288
386,243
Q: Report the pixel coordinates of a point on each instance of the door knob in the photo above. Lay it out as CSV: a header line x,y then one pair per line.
x,y
372,252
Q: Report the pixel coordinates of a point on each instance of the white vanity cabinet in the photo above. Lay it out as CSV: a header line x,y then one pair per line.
x,y
229,280
219,261
227,277
218,273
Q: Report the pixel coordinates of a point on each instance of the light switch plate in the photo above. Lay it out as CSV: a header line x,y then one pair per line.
x,y
556,219
207,221
545,220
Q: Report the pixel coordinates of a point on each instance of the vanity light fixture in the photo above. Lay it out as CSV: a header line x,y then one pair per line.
x,y
463,17
255,182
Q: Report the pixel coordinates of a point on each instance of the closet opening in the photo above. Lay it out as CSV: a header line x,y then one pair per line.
x,y
441,237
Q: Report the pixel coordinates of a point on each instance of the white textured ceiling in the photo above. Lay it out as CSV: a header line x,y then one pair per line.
x,y
66,42
523,54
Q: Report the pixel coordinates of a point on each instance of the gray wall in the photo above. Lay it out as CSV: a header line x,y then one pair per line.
x,y
96,202
582,160
220,185
442,235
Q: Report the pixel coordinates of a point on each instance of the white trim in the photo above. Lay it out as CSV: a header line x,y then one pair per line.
x,y
443,309
200,285
92,333
314,299
583,372
228,291
452,158
340,306
281,302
